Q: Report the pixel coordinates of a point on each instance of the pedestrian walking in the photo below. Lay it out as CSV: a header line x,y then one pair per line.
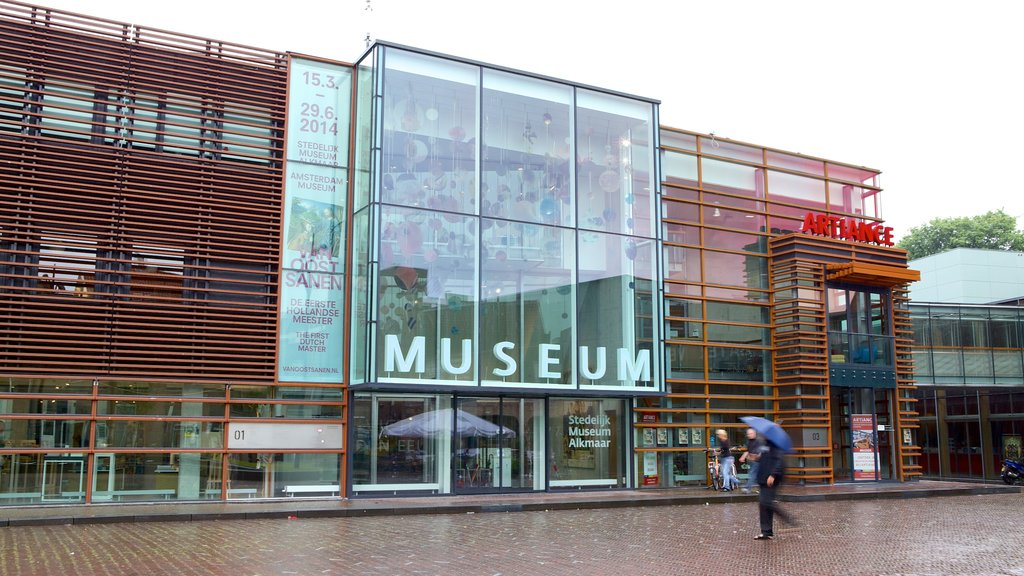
x,y
751,457
725,460
770,473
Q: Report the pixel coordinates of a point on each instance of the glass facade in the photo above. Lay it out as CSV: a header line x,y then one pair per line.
x,y
138,441
505,242
722,202
969,363
484,266
452,278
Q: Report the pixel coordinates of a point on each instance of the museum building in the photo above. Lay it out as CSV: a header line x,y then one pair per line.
x,y
228,273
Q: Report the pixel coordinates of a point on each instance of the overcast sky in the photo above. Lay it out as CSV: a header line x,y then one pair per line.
x,y
927,92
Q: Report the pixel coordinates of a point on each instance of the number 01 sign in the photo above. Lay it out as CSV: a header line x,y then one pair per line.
x,y
281,436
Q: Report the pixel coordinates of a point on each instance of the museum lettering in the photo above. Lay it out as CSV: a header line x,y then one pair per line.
x,y
628,367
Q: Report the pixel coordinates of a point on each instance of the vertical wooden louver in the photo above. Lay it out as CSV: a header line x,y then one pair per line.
x,y
140,200
801,267
907,413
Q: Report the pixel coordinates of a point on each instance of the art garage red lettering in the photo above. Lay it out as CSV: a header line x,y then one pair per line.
x,y
847,229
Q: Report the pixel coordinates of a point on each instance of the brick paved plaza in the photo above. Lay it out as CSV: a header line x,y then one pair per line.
x,y
952,535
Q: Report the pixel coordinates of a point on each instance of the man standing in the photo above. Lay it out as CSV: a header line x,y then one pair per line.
x,y
751,457
770,472
725,460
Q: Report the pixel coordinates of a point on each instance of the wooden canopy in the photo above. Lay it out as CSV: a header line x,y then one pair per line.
x,y
871,274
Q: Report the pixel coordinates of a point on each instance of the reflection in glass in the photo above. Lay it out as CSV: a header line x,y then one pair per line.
x,y
274,475
614,163
527,284
527,150
387,451
587,445
426,295
615,310
429,148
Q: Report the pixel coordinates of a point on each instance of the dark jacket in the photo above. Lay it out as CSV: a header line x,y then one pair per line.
x,y
771,464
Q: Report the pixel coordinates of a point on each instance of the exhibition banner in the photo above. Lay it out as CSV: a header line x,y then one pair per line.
x,y
865,447
312,258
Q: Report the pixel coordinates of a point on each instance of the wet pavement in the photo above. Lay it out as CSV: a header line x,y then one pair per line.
x,y
877,529
567,500
972,534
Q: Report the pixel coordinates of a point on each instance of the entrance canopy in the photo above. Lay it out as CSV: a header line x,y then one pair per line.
x,y
872,274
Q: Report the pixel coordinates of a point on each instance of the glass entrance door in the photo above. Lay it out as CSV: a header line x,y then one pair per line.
x,y
862,434
498,445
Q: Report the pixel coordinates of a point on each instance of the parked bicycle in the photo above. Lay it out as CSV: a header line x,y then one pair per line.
x,y
714,470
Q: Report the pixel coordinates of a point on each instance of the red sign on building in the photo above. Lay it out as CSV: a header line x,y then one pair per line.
x,y
847,229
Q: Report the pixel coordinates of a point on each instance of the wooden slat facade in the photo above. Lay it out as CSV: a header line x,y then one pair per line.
x,y
140,201
800,266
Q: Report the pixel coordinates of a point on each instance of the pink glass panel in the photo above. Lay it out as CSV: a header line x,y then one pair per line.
x,y
852,174
735,241
682,264
738,179
725,218
797,163
733,201
683,211
680,193
784,187
678,140
717,147
679,234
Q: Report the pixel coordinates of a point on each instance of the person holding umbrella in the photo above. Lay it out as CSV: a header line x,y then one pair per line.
x,y
770,472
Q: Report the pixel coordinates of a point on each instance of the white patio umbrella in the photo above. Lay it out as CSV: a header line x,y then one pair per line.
x,y
437,422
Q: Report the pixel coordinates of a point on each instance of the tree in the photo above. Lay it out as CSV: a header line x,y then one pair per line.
x,y
994,230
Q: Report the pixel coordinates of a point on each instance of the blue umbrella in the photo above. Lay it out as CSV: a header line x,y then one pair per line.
x,y
771,431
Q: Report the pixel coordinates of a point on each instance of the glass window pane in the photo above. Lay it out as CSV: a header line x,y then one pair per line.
x,y
140,477
681,234
733,201
669,191
852,174
738,179
800,190
587,444
726,218
160,409
684,308
527,282
132,388
426,297
851,199
615,309
616,161
739,364
526,162
731,294
730,334
387,453
679,169
798,163
727,240
717,147
735,269
268,475
733,312
429,148
681,211
678,140
45,386
682,264
685,362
